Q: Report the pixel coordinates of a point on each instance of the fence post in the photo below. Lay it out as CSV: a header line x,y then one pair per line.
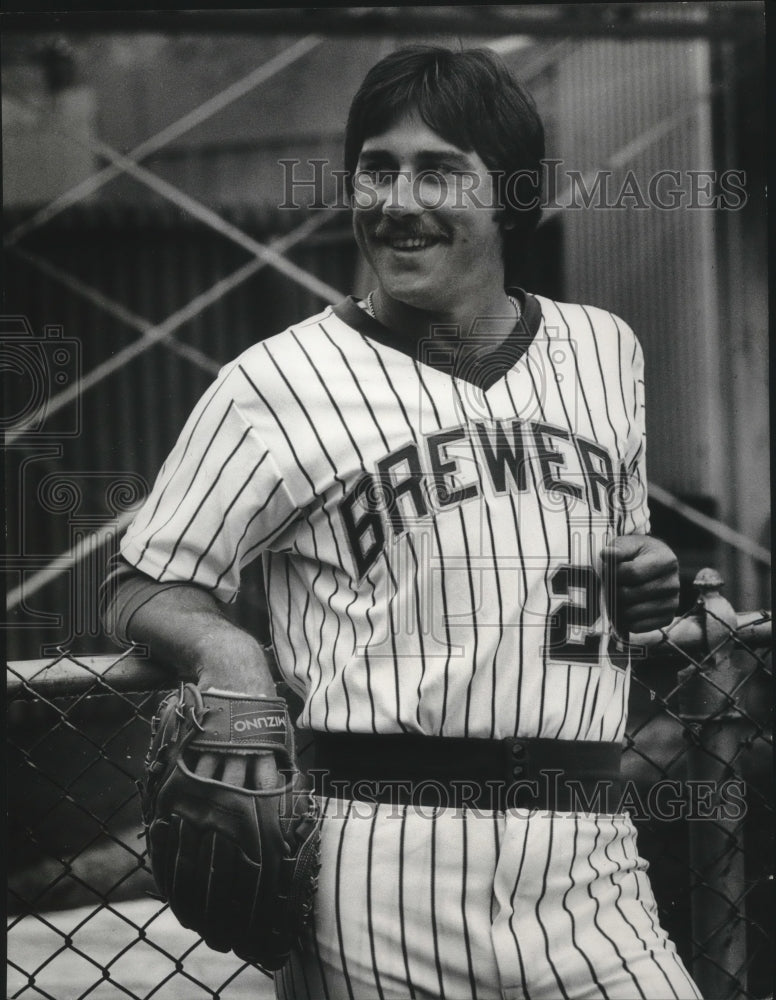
x,y
713,721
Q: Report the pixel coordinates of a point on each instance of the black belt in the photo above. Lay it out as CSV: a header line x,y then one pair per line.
x,y
560,775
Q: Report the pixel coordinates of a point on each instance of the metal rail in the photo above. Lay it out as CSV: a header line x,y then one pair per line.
x,y
71,674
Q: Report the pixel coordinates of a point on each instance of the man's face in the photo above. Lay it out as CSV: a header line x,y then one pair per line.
x,y
424,218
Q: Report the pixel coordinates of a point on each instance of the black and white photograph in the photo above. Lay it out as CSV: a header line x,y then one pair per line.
x,y
387,503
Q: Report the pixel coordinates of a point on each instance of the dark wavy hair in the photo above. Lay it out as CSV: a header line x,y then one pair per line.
x,y
472,100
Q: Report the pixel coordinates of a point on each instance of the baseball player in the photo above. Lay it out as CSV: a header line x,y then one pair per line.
x,y
445,483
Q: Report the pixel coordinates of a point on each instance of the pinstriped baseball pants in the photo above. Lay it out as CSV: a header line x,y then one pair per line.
x,y
421,902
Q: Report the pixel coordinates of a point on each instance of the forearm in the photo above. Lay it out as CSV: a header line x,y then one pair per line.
x,y
184,627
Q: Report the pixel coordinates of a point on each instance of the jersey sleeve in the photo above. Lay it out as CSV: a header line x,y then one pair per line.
x,y
217,503
123,592
634,511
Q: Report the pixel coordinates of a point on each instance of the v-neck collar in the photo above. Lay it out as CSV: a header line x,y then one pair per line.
x,y
481,368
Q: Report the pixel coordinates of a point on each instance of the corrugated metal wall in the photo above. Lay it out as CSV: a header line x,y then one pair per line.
x,y
654,267
152,261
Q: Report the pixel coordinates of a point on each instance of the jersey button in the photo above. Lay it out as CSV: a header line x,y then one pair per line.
x,y
518,749
517,771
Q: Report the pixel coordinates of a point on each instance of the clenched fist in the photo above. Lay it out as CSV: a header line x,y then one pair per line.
x,y
641,574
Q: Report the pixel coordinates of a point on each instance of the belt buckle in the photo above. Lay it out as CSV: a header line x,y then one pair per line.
x,y
516,759
522,791
532,785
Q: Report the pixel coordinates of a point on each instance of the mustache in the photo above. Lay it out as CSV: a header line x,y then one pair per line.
x,y
390,229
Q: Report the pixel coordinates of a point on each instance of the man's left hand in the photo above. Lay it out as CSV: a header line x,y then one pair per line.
x,y
642,583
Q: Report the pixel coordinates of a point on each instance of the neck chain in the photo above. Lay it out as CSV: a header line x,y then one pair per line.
x,y
370,306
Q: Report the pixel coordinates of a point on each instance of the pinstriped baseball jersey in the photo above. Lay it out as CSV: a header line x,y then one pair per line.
x,y
429,533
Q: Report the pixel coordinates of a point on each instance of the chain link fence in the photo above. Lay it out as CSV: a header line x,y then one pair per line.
x,y
83,920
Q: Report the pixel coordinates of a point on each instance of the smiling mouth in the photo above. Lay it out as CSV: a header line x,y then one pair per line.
x,y
411,243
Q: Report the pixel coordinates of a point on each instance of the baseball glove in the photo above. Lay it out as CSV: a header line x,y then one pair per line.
x,y
238,863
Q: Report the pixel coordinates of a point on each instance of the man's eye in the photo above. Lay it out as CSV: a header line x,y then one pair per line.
x,y
444,169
